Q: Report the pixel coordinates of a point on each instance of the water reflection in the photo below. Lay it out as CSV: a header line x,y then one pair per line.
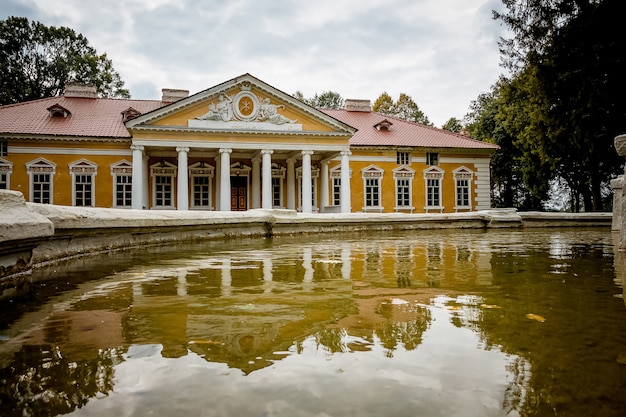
x,y
443,323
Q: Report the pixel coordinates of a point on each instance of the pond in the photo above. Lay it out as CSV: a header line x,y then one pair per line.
x,y
426,323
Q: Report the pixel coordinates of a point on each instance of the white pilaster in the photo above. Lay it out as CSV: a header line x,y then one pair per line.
x,y
225,179
137,180
324,185
345,181
182,192
291,184
256,182
266,181
307,189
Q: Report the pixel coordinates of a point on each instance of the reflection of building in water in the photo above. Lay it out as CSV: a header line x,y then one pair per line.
x,y
404,265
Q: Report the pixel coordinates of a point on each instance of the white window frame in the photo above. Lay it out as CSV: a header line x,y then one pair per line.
x,y
201,169
463,174
401,174
86,168
166,170
372,174
41,166
335,181
4,148
121,169
433,175
6,169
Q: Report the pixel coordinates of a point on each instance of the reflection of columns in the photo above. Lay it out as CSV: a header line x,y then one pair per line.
x,y
182,193
345,181
181,286
307,263
324,181
346,261
137,179
268,275
266,181
256,182
307,189
225,179
291,184
227,278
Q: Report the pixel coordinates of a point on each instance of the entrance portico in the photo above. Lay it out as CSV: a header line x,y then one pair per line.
x,y
250,146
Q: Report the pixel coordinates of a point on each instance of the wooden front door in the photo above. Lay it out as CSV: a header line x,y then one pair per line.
x,y
238,193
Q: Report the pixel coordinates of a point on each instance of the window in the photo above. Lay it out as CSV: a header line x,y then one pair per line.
x,y
433,177
403,193
372,176
83,190
404,181
123,191
83,173
277,191
432,158
278,175
201,175
433,190
5,174
403,158
122,173
163,174
372,192
462,193
463,185
4,148
41,173
336,191
41,189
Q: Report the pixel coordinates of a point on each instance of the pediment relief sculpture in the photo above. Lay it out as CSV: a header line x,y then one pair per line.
x,y
245,107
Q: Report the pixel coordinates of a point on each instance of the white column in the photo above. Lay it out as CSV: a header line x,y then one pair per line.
x,y
256,182
307,189
324,186
218,174
345,181
266,180
137,180
225,179
182,192
291,184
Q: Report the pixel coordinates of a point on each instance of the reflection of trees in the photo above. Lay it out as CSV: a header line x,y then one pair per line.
x,y
56,384
567,364
408,334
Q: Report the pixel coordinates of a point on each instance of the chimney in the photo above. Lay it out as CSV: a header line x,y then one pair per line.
x,y
358,105
171,95
74,89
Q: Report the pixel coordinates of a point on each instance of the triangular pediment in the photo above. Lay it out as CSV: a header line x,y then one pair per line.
x,y
243,104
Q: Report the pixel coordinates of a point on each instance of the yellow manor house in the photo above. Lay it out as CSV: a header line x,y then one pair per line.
x,y
240,145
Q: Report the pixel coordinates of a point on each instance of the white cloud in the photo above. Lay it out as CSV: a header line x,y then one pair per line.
x,y
443,53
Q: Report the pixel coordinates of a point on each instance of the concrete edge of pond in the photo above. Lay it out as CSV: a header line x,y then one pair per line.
x,y
35,235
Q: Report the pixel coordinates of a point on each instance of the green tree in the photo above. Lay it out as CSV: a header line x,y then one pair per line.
x,y
36,61
404,108
572,53
326,100
453,125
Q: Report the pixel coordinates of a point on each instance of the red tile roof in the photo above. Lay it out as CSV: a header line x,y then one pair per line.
x,y
402,133
90,117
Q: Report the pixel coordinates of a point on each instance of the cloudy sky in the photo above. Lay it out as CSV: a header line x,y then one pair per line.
x,y
443,53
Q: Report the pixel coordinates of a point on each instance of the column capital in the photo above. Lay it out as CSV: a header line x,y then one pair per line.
x,y
291,160
307,152
226,150
346,152
136,147
182,149
267,151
